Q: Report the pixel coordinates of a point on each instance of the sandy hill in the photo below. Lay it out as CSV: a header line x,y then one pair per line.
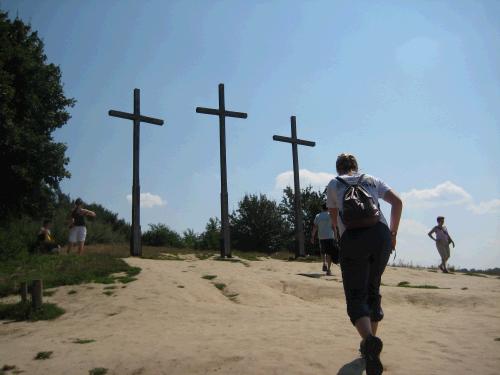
x,y
268,319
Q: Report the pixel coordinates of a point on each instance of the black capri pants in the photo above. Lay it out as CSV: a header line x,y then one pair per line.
x,y
364,254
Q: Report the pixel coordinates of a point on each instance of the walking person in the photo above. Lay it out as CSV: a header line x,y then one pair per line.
x,y
77,228
365,245
443,241
327,246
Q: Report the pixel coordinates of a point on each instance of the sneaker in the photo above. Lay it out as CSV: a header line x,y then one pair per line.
x,y
370,350
325,268
328,273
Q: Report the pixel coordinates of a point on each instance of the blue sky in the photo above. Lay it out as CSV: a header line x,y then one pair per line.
x,y
412,88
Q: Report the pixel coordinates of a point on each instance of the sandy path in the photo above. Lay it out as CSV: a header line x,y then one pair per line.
x,y
172,321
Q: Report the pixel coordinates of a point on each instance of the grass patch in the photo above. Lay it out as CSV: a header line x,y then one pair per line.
x,y
220,286
7,368
209,277
43,355
83,341
110,287
49,293
180,286
465,288
98,371
61,270
23,311
406,284
109,293
497,339
72,291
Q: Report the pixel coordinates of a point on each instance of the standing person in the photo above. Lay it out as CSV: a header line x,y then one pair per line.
x,y
327,246
365,246
443,240
78,230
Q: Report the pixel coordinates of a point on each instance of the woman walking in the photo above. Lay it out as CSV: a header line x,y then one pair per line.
x,y
443,241
77,228
365,245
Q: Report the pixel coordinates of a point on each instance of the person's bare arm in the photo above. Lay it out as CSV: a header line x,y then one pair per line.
x,y
396,209
87,212
451,240
431,232
334,217
313,234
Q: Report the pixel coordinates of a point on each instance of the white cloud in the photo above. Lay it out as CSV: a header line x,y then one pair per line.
x,y
444,194
316,179
448,194
488,207
410,227
149,200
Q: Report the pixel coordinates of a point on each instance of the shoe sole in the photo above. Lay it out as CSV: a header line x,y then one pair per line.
x,y
373,349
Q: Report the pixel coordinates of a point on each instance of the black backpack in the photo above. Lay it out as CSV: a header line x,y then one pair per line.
x,y
359,209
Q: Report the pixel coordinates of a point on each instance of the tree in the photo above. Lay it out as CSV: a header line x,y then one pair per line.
x,y
258,225
32,106
162,235
191,239
311,205
210,239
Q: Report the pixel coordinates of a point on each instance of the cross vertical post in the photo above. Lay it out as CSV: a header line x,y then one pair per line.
x,y
225,240
137,118
299,221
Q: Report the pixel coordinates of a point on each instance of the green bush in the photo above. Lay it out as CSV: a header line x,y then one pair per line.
x,y
162,235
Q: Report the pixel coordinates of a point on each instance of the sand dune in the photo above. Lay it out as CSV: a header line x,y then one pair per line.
x,y
268,320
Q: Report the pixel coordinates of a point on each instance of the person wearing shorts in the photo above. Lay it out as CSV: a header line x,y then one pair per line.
x,y
443,241
327,245
364,253
77,228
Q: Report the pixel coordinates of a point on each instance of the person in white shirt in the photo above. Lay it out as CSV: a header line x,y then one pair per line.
x,y
327,245
364,251
443,241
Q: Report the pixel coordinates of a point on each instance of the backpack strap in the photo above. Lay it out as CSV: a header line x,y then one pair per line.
x,y
360,179
348,184
343,181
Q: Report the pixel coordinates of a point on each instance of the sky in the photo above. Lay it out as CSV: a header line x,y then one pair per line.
x,y
412,88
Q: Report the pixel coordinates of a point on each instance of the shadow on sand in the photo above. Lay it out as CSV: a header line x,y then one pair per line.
x,y
355,367
313,275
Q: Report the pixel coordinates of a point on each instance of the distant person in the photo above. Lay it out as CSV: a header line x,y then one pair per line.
x,y
443,241
365,246
77,228
45,243
327,246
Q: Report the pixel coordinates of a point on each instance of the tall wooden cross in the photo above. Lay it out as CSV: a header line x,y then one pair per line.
x,y
137,118
225,242
299,224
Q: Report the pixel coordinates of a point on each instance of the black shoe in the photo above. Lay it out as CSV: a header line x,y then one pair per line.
x,y
370,350
325,268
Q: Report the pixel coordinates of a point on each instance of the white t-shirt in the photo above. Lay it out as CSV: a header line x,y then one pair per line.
x,y
324,224
336,189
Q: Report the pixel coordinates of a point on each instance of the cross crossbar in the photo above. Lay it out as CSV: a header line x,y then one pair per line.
x,y
216,112
294,140
131,116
